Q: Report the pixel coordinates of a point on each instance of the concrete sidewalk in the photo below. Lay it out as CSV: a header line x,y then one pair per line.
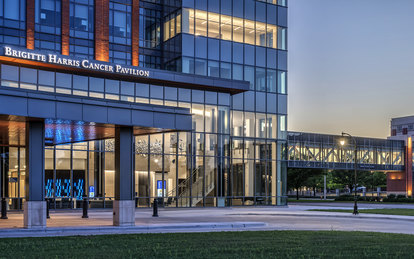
x,y
111,230
67,223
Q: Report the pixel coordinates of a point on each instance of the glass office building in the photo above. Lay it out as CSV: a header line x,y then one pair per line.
x,y
205,83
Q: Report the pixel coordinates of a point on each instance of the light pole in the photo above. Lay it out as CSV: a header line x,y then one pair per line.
x,y
355,169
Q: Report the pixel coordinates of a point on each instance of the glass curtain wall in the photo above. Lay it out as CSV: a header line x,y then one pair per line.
x,y
244,40
120,32
48,25
13,22
81,30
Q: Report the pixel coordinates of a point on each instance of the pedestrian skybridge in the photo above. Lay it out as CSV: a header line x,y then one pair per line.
x,y
310,150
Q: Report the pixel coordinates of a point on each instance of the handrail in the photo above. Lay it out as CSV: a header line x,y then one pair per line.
x,y
184,183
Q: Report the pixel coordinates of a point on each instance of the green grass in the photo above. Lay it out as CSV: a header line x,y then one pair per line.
x,y
264,244
322,201
310,200
404,212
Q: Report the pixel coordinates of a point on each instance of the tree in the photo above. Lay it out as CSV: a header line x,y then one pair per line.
x,y
315,180
344,178
373,179
364,178
297,178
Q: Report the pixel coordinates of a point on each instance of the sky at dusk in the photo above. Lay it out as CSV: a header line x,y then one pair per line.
x,y
351,65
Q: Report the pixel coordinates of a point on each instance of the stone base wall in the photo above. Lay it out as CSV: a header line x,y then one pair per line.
x,y
34,214
124,213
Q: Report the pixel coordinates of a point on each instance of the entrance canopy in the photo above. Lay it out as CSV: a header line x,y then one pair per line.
x,y
75,119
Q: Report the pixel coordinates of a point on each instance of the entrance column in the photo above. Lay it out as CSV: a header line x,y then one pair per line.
x,y
124,205
35,205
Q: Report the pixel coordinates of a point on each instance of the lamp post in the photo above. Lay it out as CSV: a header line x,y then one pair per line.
x,y
342,142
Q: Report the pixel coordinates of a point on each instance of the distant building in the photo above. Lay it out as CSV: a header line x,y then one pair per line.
x,y
402,128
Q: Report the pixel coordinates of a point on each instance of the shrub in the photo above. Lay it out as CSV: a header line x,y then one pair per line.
x,y
391,196
399,198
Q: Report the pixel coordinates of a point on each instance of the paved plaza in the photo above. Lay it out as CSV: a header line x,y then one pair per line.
x,y
294,217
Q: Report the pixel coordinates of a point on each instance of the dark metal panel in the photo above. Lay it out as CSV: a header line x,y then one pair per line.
x,y
13,105
41,108
69,111
143,118
119,116
35,159
95,113
124,163
47,106
184,79
163,120
222,83
163,75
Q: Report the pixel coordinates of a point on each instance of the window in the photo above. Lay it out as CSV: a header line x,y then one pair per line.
x,y
28,75
213,69
120,33
80,82
172,26
81,19
237,72
271,80
281,82
9,73
11,9
213,49
214,25
249,76
225,70
260,79
233,28
281,38
201,23
200,67
96,84
47,14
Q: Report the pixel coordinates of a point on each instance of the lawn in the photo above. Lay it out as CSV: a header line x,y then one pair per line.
x,y
331,200
311,200
404,212
264,244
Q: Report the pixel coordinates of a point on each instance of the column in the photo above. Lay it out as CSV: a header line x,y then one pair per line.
x,y
65,13
35,205
135,32
30,24
102,30
124,205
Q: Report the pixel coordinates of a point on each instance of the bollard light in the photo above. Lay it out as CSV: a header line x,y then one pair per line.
x,y
85,207
155,208
3,208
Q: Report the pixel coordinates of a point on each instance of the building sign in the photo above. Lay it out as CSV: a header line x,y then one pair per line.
x,y
160,187
68,61
91,191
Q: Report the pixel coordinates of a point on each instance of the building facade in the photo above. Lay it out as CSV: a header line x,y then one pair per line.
x,y
198,87
402,128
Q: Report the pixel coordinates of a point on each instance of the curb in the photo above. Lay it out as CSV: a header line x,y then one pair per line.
x,y
86,231
333,216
